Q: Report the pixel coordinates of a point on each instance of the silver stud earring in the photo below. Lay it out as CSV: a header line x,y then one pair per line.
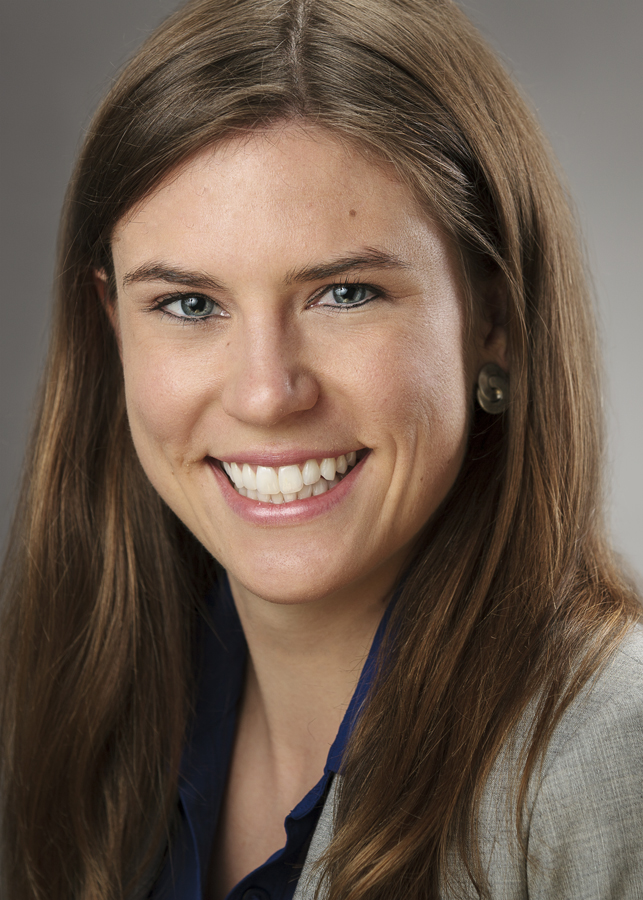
x,y
493,389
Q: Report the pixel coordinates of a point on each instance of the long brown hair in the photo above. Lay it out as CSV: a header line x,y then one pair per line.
x,y
513,596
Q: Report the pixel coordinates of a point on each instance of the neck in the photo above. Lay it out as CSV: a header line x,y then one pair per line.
x,y
304,664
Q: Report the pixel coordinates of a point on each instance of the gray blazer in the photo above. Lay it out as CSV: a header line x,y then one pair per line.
x,y
584,822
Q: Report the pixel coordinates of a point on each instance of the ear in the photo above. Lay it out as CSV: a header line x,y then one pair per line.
x,y
108,301
492,335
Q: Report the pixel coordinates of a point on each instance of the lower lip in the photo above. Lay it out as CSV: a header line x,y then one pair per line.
x,y
286,513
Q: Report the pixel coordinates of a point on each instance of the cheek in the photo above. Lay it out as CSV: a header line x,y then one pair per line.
x,y
428,406
165,399
418,386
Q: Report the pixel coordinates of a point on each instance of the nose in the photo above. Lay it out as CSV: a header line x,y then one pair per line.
x,y
268,379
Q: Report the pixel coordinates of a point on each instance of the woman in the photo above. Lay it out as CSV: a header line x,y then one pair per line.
x,y
322,319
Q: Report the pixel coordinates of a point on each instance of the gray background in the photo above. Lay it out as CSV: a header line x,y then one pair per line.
x,y
580,61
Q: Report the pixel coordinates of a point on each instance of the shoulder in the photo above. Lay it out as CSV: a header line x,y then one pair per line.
x,y
604,721
583,829
609,708
599,740
586,824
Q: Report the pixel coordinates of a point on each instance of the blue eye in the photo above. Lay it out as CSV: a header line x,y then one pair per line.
x,y
193,306
349,293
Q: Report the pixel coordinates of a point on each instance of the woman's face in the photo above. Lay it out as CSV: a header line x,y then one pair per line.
x,y
281,299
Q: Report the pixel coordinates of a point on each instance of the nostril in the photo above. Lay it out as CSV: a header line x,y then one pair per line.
x,y
264,395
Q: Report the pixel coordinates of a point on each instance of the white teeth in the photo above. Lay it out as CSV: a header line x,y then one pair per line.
x,y
290,480
267,480
235,474
288,483
249,477
311,472
328,469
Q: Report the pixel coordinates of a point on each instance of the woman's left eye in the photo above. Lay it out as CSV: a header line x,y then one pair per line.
x,y
192,306
346,295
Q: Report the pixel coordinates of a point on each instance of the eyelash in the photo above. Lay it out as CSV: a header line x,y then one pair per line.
x,y
342,308
161,305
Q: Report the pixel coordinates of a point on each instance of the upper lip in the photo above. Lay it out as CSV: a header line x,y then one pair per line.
x,y
283,457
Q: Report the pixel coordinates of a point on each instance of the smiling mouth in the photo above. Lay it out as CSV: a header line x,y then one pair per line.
x,y
284,484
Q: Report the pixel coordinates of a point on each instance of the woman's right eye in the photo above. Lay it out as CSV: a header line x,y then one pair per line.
x,y
191,306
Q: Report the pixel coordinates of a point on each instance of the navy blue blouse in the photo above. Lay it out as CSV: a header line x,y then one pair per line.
x,y
205,762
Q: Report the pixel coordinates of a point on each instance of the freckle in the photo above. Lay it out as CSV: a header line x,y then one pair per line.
x,y
352,212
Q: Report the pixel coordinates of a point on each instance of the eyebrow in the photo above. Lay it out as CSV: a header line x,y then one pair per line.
x,y
171,275
367,259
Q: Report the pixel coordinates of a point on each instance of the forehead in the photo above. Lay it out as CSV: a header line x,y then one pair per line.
x,y
291,190
293,163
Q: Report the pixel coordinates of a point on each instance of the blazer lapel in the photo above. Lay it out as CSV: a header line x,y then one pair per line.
x,y
309,878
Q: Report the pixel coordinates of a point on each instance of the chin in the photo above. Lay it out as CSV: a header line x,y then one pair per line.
x,y
292,582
